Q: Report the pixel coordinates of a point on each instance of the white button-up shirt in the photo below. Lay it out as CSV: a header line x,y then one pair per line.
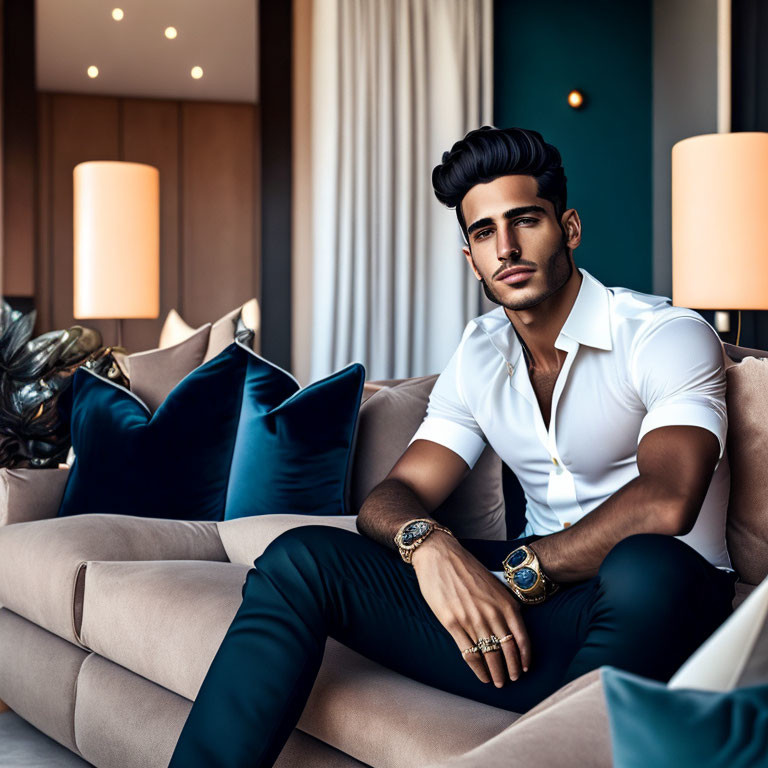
x,y
634,363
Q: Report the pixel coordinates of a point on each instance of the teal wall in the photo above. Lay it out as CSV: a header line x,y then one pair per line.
x,y
542,51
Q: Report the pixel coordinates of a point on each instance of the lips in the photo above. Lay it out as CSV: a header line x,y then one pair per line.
x,y
509,277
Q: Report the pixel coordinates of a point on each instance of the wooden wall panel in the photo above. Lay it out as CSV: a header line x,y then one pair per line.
x,y
43,267
18,148
83,128
209,191
219,270
150,134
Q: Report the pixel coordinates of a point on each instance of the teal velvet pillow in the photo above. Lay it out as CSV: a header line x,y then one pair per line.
x,y
652,725
174,463
294,445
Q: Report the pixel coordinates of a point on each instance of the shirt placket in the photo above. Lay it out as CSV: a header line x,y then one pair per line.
x,y
561,489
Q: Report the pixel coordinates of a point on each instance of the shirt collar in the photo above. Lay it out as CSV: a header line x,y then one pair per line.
x,y
588,323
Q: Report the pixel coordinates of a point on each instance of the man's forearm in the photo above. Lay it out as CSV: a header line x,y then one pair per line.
x,y
389,505
575,553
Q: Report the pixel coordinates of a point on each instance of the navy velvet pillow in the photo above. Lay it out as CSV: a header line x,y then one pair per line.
x,y
294,446
652,725
173,464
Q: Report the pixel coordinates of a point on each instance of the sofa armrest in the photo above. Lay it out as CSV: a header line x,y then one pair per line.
x,y
246,538
42,563
30,494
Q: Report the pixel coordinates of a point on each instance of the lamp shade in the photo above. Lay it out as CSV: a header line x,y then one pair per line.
x,y
719,210
116,240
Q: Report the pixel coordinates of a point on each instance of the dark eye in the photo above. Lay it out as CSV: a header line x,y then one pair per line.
x,y
482,234
526,219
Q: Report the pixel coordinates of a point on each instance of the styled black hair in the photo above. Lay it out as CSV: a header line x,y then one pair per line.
x,y
486,153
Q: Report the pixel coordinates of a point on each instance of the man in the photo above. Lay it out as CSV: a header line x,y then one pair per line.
x,y
609,405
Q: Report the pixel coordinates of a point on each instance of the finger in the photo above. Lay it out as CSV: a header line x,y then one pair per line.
x,y
494,660
473,660
522,642
509,651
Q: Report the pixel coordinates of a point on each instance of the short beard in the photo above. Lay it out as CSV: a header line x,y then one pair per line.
x,y
553,264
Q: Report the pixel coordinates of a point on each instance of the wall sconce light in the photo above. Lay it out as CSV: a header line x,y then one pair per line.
x,y
576,99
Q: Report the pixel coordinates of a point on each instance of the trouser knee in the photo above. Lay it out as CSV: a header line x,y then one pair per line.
x,y
300,553
647,570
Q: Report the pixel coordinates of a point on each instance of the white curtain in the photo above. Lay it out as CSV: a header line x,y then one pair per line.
x,y
394,84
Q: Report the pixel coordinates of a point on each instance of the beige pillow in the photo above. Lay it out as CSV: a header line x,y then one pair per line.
x,y
388,420
153,374
224,330
176,330
747,445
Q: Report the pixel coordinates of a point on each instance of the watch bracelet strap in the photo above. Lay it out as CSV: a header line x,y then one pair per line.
x,y
407,554
550,585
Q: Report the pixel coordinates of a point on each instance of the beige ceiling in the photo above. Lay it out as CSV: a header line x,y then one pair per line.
x,y
133,56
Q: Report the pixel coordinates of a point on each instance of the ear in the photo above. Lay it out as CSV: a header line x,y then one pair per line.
x,y
571,224
471,262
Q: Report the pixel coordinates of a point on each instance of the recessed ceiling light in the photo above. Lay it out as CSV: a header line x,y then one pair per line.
x,y
93,72
171,32
117,14
196,72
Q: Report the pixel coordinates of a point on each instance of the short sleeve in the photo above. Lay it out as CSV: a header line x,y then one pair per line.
x,y
678,373
448,420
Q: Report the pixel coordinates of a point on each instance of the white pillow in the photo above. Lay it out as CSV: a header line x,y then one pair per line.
x,y
736,654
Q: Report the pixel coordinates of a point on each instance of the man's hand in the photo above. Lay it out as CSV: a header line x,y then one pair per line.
x,y
470,602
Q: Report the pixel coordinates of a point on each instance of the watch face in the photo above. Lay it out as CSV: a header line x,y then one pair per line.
x,y
517,557
414,531
525,578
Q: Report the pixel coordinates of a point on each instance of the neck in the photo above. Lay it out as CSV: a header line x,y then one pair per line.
x,y
538,327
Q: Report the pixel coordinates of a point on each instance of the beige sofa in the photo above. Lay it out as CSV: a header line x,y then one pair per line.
x,y
109,623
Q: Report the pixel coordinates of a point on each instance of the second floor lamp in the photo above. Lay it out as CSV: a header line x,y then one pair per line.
x,y
719,207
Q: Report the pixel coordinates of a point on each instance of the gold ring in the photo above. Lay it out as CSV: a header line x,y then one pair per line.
x,y
488,644
506,638
471,649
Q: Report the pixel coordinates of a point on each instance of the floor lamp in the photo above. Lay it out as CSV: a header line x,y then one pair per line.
x,y
116,241
719,207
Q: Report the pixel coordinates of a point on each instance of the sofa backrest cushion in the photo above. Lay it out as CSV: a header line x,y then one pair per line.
x,y
747,445
388,420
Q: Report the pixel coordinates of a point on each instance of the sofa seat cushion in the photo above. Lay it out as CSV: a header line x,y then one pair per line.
x,y
572,731
41,562
38,678
165,622
385,719
123,720
246,538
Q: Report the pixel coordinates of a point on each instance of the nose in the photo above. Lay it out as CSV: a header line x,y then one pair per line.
x,y
506,244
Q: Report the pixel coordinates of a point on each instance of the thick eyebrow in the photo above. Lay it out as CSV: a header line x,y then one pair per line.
x,y
510,214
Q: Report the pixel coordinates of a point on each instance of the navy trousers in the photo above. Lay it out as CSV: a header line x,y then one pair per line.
x,y
653,602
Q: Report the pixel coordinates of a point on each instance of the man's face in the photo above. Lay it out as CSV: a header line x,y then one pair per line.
x,y
510,226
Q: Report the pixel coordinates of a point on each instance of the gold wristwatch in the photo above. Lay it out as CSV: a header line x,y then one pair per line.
x,y
412,535
526,578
